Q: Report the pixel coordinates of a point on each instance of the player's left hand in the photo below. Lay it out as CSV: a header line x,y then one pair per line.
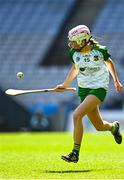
x,y
118,86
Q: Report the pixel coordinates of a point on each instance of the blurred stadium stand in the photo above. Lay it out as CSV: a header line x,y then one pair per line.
x,y
58,53
109,28
33,39
13,117
28,29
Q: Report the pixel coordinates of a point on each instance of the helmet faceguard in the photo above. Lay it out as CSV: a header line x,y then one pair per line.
x,y
79,33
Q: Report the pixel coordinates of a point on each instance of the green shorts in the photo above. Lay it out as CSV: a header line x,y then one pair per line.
x,y
100,93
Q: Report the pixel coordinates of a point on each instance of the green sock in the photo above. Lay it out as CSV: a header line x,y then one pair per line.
x,y
76,148
113,128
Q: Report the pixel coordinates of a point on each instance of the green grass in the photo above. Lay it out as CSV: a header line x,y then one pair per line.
x,y
37,156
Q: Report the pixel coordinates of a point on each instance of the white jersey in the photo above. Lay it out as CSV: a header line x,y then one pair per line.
x,y
92,70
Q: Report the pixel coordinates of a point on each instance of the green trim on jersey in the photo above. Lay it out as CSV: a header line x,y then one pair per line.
x,y
98,47
71,52
103,50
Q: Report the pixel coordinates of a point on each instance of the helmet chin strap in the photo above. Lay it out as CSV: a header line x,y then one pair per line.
x,y
83,45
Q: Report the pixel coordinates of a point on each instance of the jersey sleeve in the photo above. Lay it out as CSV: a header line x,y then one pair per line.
x,y
104,51
71,52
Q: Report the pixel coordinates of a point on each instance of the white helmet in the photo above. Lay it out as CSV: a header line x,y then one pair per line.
x,y
79,33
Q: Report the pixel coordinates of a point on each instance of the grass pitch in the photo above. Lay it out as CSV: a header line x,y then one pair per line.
x,y
37,156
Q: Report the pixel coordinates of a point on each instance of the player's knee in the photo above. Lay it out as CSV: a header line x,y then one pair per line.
x,y
77,116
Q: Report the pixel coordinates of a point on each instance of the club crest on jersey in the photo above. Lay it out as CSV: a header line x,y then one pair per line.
x,y
96,58
77,59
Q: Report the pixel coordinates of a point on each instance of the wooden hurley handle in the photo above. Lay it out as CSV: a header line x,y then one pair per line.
x,y
15,92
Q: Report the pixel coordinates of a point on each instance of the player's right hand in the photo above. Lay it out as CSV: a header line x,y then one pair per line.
x,y
61,87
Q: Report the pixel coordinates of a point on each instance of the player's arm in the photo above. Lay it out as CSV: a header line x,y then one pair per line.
x,y
111,67
69,78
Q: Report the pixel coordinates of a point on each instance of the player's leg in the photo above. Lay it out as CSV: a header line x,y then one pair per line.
x,y
102,125
86,106
96,119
